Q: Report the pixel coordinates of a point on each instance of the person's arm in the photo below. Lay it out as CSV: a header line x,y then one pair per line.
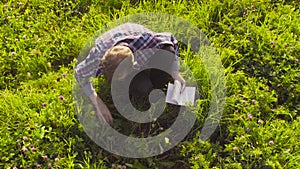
x,y
176,75
83,72
103,112
175,67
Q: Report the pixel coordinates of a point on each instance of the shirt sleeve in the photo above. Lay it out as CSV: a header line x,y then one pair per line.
x,y
175,63
175,66
86,69
87,87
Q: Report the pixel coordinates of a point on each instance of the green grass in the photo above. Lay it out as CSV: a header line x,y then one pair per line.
x,y
257,41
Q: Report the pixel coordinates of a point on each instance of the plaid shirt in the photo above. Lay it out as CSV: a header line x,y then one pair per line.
x,y
132,35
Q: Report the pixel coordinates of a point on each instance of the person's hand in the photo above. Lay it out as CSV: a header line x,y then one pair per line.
x,y
102,112
178,77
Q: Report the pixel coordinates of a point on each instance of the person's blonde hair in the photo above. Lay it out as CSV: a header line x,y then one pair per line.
x,y
112,58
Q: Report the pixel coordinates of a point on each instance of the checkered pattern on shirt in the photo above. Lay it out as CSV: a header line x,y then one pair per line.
x,y
132,35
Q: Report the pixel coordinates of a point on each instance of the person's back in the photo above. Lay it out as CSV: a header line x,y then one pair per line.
x,y
126,40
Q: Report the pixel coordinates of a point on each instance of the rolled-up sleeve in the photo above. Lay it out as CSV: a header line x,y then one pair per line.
x,y
86,69
84,83
175,44
167,38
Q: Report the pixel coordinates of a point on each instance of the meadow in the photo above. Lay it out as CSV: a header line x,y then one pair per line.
x,y
257,41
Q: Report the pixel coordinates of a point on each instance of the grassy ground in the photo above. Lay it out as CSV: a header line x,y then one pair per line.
x,y
258,42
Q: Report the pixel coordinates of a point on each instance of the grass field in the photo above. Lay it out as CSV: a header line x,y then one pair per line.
x,y
257,41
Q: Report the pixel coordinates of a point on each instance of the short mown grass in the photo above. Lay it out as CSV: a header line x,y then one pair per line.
x,y
258,42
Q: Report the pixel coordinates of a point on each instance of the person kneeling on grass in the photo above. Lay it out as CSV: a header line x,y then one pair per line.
x,y
123,41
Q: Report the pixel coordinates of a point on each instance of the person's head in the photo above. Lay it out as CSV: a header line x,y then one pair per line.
x,y
113,57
